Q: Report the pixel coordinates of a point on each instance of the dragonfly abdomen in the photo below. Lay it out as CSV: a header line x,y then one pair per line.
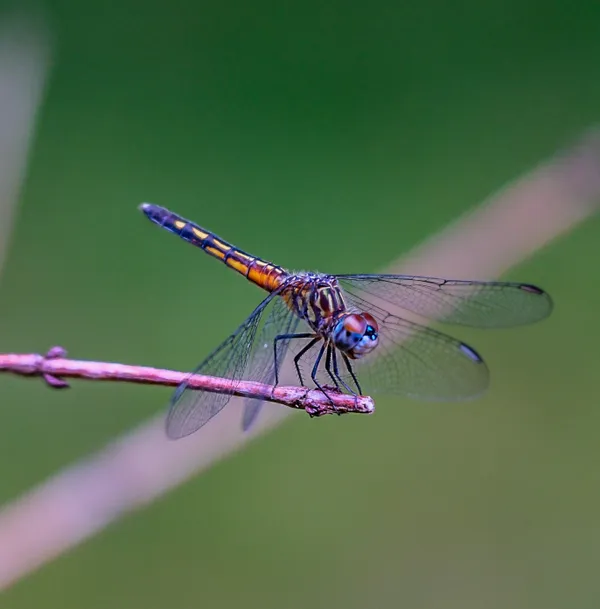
x,y
260,272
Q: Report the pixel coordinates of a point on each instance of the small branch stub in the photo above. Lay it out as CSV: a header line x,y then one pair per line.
x,y
51,380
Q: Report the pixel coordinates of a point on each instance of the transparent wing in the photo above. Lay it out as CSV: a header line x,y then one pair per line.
x,y
191,408
482,304
410,360
252,409
279,321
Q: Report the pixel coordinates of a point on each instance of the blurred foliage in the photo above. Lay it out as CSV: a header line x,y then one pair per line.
x,y
331,136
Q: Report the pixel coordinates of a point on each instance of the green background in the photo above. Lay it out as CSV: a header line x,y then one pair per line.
x,y
331,136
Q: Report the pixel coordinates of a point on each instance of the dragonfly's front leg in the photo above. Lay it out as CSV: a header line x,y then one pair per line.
x,y
288,337
314,373
349,367
336,371
328,367
301,353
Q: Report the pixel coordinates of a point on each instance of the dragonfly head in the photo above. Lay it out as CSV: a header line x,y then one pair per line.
x,y
356,334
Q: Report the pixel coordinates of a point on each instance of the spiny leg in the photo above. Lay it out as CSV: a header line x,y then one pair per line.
x,y
283,337
336,371
301,353
349,366
328,365
314,373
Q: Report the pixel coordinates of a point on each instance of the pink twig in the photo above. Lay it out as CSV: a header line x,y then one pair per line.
x,y
54,366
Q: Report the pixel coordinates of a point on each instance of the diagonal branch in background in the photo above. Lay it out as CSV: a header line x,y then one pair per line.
x,y
25,54
55,366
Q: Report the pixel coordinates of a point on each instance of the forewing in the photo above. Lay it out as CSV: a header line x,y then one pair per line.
x,y
483,304
279,321
191,408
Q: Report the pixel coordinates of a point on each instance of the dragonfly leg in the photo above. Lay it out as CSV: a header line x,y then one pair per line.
x,y
315,370
301,353
336,371
328,366
349,366
283,337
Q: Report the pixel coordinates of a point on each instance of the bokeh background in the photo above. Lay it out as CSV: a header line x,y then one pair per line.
x,y
330,136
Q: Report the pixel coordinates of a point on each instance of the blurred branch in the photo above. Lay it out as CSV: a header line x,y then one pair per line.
x,y
24,60
54,367
141,465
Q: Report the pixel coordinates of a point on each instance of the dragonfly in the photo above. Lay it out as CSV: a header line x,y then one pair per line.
x,y
345,331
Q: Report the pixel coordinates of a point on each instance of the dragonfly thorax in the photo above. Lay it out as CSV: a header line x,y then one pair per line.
x,y
317,299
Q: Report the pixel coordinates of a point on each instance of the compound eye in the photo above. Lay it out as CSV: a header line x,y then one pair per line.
x,y
355,324
366,335
372,325
348,332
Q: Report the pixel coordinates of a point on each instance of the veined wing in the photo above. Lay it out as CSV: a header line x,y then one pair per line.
x,y
417,361
482,304
279,321
192,408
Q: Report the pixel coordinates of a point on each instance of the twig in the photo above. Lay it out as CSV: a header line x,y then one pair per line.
x,y
54,366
